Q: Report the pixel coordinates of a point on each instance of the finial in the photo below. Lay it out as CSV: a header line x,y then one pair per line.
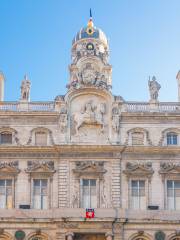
x,y
90,14
90,25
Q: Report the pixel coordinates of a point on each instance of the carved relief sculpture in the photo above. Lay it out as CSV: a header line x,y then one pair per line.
x,y
90,115
139,169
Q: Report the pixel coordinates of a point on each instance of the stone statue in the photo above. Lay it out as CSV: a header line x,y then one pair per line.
x,y
25,89
154,87
115,119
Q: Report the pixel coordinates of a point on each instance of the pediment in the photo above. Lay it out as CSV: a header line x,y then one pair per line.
x,y
38,167
169,168
9,168
138,169
89,167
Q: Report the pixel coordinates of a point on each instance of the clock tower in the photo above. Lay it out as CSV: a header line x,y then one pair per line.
x,y
89,95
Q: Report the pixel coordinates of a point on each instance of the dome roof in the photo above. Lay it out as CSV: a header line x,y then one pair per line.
x,y
90,32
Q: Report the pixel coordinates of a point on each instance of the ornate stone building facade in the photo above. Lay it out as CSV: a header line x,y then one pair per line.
x,y
89,149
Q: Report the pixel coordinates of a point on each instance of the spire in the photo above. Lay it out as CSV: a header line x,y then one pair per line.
x,y
90,25
90,14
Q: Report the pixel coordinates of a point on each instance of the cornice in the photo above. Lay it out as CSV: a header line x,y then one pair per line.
x,y
113,151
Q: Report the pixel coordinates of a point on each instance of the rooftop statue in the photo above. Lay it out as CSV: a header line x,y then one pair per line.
x,y
154,87
25,89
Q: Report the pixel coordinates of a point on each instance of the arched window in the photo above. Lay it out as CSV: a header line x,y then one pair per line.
x,y
5,138
172,138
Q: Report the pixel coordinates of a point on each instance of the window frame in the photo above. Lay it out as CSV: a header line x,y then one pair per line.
x,y
166,193
97,190
12,189
171,135
48,191
146,186
3,133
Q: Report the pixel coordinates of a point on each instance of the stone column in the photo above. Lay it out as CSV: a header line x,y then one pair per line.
x,y
109,236
69,236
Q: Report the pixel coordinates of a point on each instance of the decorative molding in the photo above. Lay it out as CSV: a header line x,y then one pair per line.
x,y
164,134
36,167
169,168
68,225
10,168
139,169
89,168
34,130
141,130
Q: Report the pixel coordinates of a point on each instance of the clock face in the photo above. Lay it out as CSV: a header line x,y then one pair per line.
x,y
90,46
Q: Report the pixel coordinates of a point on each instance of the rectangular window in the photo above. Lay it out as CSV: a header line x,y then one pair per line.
x,y
6,199
89,194
173,194
41,138
40,194
6,138
171,139
138,196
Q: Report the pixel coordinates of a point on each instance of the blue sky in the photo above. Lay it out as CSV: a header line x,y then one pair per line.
x,y
36,35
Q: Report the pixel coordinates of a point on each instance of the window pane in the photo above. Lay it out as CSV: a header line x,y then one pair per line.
x,y
44,202
169,184
44,182
177,184
92,182
37,201
134,184
6,138
171,139
138,197
6,200
37,182
2,182
85,182
89,195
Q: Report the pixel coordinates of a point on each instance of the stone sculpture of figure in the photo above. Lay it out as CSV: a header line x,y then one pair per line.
x,y
88,112
115,119
90,115
25,89
154,87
